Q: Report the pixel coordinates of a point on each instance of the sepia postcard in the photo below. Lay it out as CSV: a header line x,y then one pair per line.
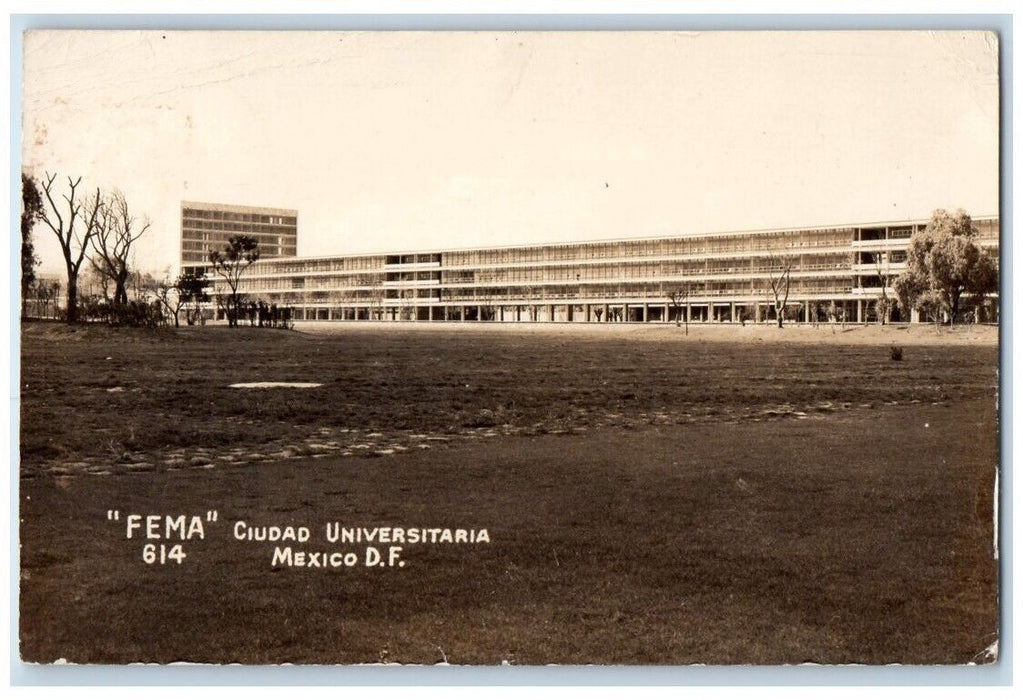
x,y
514,348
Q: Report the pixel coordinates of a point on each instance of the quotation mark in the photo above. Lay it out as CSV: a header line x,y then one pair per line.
x,y
113,515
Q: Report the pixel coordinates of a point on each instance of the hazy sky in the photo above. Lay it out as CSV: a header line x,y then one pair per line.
x,y
387,141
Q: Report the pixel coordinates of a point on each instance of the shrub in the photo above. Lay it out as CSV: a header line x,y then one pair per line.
x,y
896,352
483,418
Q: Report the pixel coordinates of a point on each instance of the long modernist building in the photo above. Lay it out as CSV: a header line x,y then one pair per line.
x,y
835,271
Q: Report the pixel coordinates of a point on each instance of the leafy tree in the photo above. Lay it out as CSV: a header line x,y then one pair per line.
x,y
985,281
191,289
943,264
230,263
31,212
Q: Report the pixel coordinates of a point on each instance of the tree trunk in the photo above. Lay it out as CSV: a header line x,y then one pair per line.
x,y
121,288
72,296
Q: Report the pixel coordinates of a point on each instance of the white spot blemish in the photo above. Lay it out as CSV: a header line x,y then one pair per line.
x,y
274,385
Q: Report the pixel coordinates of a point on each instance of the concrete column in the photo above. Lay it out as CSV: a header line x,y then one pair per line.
x,y
429,313
689,312
587,312
732,312
806,311
859,311
607,313
479,313
461,316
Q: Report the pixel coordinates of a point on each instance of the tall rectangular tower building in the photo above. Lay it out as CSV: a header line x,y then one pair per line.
x,y
206,227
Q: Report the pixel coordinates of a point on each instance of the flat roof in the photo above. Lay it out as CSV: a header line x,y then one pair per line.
x,y
633,239
238,208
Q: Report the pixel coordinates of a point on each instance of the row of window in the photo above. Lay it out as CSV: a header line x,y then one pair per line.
x,y
638,268
265,243
413,259
535,295
218,215
279,267
193,226
744,276
414,276
670,247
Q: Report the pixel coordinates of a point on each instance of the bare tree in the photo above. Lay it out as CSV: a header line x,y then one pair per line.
x,y
74,240
780,280
884,304
170,297
113,241
92,278
679,297
230,263
53,295
142,285
485,302
531,297
47,293
405,308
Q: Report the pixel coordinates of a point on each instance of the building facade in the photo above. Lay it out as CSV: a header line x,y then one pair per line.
x,y
832,272
206,227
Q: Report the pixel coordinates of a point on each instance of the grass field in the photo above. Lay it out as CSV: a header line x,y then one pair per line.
x,y
650,497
